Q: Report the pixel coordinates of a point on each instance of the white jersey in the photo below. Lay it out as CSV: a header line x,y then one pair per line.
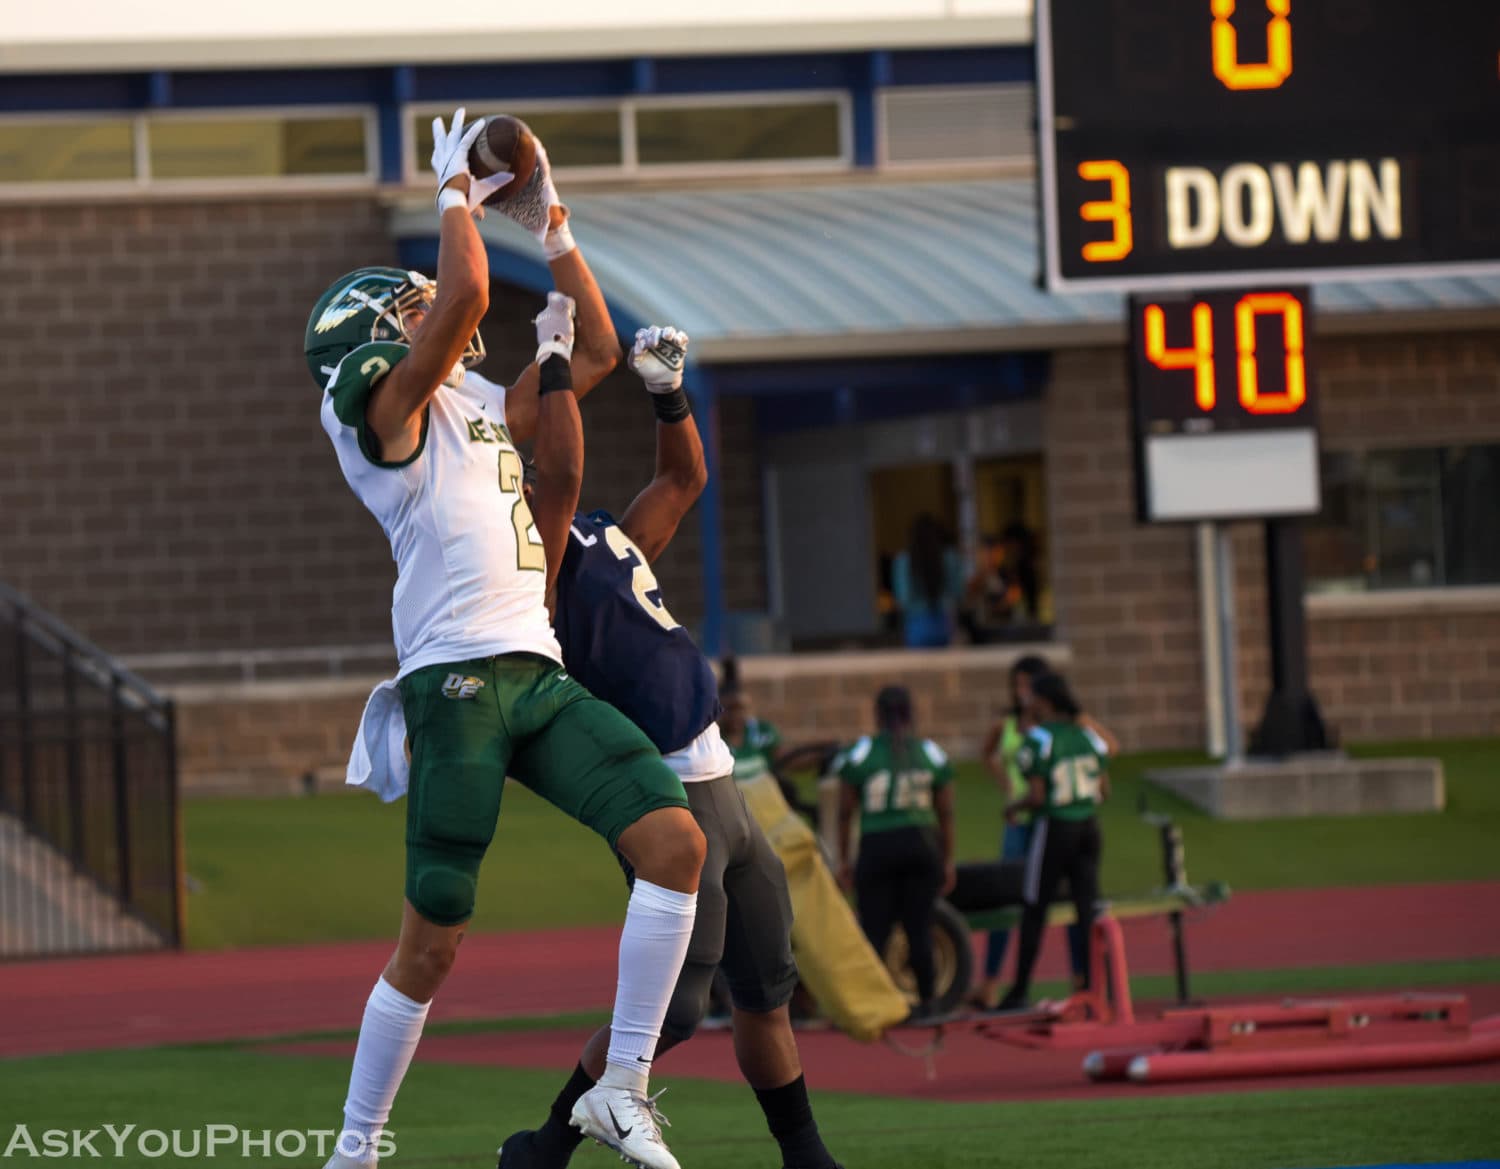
x,y
470,568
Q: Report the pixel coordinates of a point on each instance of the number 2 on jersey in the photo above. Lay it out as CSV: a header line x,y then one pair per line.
x,y
642,579
530,555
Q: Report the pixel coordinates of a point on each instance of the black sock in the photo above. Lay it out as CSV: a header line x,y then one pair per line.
x,y
789,1115
557,1135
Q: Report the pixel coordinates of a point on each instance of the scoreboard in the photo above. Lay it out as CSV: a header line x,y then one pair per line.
x,y
1193,143
1225,411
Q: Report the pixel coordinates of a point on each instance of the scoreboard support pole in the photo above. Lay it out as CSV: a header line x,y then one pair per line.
x,y
1229,687
1291,722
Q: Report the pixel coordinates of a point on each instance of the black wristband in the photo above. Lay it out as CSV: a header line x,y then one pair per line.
x,y
557,374
671,407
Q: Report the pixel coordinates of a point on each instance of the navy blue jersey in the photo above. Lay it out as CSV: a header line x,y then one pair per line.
x,y
619,640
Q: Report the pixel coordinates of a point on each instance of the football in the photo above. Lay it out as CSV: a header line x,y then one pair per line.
x,y
505,144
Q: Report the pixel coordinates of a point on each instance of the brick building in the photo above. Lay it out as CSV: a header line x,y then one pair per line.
x,y
172,496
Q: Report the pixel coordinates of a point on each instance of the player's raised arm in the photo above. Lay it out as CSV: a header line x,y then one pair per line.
x,y
651,520
597,350
463,295
559,433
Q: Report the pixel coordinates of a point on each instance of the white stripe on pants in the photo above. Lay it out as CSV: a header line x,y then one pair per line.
x,y
1032,889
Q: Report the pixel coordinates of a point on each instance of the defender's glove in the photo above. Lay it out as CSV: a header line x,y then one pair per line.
x,y
531,206
450,158
554,328
658,355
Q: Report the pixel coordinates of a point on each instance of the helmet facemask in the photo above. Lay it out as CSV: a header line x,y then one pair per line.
x,y
370,305
399,318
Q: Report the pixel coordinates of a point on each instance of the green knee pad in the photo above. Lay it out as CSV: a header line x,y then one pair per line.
x,y
441,886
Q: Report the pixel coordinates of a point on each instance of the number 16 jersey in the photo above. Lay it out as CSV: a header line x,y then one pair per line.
x,y
470,568
895,781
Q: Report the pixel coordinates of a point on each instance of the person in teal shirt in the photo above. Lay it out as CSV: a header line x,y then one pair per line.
x,y
927,581
1064,763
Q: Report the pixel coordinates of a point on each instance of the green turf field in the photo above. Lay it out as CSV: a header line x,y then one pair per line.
x,y
338,858
455,1116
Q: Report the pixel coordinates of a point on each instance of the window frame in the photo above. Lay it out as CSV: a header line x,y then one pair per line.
x,y
883,160
1356,601
46,188
146,184
839,98
414,170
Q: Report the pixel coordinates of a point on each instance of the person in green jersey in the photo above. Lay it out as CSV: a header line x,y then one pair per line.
x,y
753,742
1001,747
902,787
1064,765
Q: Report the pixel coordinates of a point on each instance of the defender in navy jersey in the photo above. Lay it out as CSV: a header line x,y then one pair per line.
x,y
620,640
615,631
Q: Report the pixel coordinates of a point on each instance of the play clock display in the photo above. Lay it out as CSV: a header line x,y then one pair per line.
x,y
1225,416
1188,143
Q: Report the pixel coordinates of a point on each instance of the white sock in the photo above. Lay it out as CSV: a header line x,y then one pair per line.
x,y
387,1039
658,924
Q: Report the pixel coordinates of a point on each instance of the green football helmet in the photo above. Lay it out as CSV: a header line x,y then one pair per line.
x,y
371,304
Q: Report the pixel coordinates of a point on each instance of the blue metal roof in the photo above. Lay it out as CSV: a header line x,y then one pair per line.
x,y
871,268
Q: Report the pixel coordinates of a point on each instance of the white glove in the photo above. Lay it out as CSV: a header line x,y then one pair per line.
x,y
554,328
450,158
658,355
532,205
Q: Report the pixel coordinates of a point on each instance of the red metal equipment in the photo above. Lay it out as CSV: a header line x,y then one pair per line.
x,y
1291,1037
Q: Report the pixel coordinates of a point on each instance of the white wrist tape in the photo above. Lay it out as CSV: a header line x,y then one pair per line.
x,y
451,197
559,242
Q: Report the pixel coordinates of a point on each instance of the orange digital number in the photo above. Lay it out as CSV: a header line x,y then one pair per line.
x,y
1200,358
1115,209
1290,310
1278,64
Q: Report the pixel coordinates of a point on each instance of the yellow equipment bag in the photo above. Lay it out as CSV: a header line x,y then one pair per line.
x,y
839,967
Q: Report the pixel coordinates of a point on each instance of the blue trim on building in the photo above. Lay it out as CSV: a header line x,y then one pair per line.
x,y
520,80
701,389
399,88
35,93
1014,374
159,89
809,395
862,101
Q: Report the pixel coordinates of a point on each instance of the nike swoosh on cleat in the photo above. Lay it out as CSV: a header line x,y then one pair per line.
x,y
622,1133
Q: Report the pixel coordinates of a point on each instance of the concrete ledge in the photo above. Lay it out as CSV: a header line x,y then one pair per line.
x,y
264,736
1309,785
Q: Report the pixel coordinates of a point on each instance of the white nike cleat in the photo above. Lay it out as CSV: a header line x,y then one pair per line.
x,y
626,1122
339,1161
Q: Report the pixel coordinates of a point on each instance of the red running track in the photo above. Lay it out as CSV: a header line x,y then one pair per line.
x,y
968,1068
139,1001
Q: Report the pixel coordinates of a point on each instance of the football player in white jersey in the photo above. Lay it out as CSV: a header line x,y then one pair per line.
x,y
426,446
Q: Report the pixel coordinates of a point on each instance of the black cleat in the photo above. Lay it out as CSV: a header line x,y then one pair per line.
x,y
519,1151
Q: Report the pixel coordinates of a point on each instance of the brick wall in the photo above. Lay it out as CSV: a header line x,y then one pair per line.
x,y
1382,667
265,736
1124,595
170,488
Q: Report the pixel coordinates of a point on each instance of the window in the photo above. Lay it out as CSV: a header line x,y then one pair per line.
x,y
574,137
635,135
1415,518
257,147
674,134
45,150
